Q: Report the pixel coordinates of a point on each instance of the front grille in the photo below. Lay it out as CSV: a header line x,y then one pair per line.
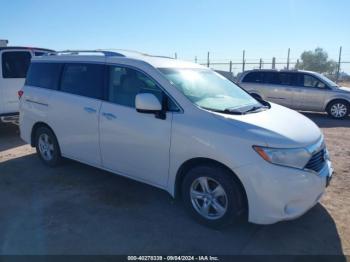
x,y
317,161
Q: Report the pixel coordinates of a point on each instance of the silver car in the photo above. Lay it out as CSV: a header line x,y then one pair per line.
x,y
300,90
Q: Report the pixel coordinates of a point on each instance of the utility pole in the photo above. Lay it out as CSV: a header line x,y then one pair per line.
x,y
339,62
273,62
243,61
288,59
260,64
208,61
231,66
195,59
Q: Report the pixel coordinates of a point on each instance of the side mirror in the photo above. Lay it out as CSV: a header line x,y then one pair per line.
x,y
149,104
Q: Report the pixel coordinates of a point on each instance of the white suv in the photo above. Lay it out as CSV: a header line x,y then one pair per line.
x,y
14,63
177,126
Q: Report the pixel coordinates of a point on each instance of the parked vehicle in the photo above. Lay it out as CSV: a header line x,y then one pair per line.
x,y
300,90
177,126
14,63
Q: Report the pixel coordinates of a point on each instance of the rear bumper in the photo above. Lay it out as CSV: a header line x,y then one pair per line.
x,y
12,118
278,193
9,114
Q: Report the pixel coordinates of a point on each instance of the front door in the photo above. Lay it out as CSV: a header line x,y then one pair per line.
x,y
310,93
134,144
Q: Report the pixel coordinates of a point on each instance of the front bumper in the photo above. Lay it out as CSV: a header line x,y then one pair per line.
x,y
277,193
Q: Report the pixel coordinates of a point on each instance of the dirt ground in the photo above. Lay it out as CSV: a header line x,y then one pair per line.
x,y
77,209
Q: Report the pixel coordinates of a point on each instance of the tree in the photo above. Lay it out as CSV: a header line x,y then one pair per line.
x,y
317,61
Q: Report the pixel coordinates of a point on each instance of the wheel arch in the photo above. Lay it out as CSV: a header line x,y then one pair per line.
x,y
333,99
35,128
187,165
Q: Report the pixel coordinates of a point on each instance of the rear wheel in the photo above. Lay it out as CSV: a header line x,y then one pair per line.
x,y
47,146
338,109
212,196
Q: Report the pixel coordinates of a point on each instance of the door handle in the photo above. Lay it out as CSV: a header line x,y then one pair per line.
x,y
109,116
90,110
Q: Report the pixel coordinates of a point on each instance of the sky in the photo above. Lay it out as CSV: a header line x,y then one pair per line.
x,y
264,29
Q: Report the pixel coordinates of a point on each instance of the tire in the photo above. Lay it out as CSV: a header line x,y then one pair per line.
x,y
338,109
230,197
47,147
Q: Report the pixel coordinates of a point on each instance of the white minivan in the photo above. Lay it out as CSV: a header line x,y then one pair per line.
x,y
177,126
14,63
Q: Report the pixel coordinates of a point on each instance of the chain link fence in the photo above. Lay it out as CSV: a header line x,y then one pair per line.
x,y
233,68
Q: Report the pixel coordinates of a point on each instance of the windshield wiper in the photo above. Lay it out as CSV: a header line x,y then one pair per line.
x,y
233,111
225,111
254,109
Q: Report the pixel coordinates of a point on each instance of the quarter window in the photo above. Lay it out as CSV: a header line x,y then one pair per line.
x,y
83,79
44,75
15,64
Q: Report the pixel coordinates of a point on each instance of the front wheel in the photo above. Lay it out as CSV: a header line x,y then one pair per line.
x,y
338,109
212,196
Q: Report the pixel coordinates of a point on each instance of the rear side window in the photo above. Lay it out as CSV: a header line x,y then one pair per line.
x,y
271,77
15,64
284,79
83,79
44,75
288,79
253,77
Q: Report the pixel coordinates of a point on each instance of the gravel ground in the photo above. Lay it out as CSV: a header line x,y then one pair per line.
x,y
77,209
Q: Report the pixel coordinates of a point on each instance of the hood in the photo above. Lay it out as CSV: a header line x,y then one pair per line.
x,y
344,88
278,127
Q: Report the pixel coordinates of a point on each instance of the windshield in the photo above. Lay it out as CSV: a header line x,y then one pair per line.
x,y
209,90
327,80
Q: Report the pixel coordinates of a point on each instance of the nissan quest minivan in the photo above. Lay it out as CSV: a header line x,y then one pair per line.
x,y
178,126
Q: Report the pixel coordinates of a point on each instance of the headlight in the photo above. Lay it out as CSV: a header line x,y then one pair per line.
x,y
294,157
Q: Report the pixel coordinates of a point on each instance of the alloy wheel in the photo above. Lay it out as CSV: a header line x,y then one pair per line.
x,y
208,198
46,147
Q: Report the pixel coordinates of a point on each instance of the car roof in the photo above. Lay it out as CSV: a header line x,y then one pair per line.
x,y
26,48
280,71
116,56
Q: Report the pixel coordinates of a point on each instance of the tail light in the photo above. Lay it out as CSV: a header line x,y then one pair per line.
x,y
20,94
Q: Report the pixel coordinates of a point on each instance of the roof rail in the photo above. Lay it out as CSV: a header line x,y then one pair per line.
x,y
160,56
140,53
78,52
